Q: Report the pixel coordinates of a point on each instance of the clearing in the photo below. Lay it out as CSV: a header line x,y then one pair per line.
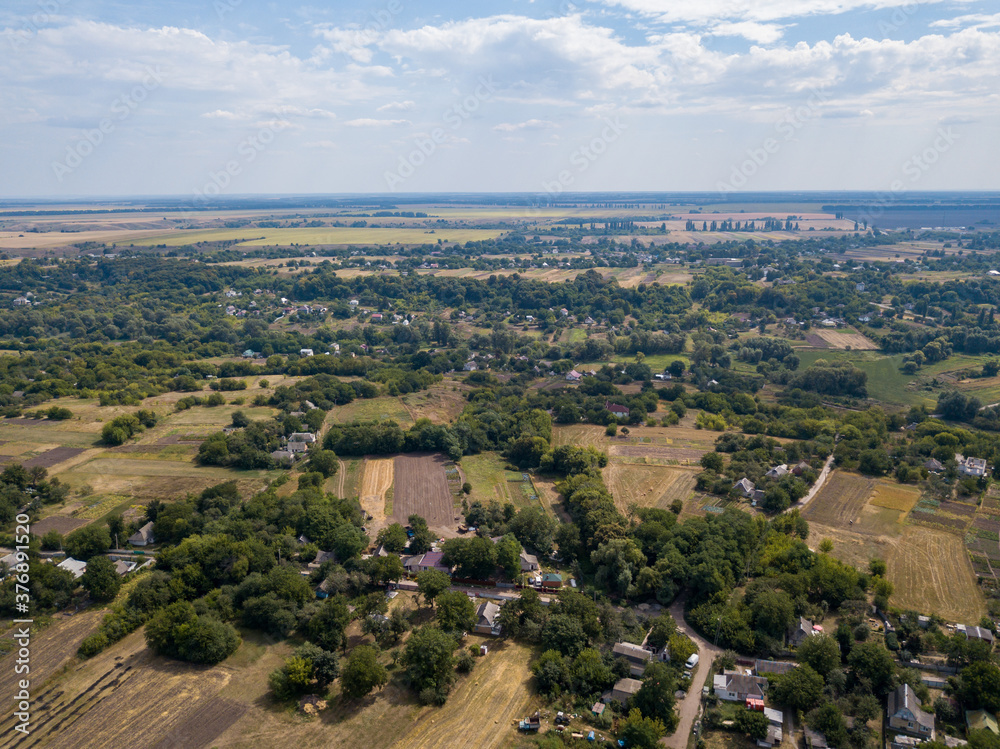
x,y
841,339
422,489
488,477
482,710
648,485
376,482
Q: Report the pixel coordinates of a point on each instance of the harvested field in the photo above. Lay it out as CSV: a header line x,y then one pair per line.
x,y
840,501
422,489
53,457
961,509
932,574
385,408
376,482
937,519
648,486
672,455
842,339
497,692
895,496
59,523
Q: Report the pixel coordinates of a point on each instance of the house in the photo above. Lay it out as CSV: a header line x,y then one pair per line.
x,y
283,457
623,690
744,486
636,655
429,561
934,466
73,565
736,687
377,317
859,287
529,562
470,366
971,466
619,412
552,580
815,740
297,448
906,716
143,536
803,629
978,720
305,352
22,302
353,303
302,436
487,619
777,472
123,568
800,468
775,719
574,376
321,556
979,633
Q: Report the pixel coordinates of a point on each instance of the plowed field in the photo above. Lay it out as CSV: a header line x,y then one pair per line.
x,y
422,489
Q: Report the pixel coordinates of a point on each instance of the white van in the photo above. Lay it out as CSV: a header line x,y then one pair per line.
x,y
691,662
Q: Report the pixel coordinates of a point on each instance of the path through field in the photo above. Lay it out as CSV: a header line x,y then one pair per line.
x,y
814,490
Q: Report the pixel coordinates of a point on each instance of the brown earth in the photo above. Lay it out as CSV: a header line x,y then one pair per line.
x,y
422,489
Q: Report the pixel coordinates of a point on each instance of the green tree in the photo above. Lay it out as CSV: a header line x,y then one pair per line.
x,y
642,733
88,541
101,579
655,698
393,538
563,633
980,686
325,462
752,723
455,611
429,663
362,673
430,583
327,625
663,627
618,563
801,688
872,664
821,653
508,555
591,675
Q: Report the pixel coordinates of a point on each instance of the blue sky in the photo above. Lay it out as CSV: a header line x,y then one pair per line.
x,y
247,96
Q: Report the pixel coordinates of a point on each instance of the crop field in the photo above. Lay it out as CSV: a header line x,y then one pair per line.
x,y
931,572
840,501
840,339
422,489
482,711
376,482
441,403
488,478
687,442
52,457
330,235
895,496
648,485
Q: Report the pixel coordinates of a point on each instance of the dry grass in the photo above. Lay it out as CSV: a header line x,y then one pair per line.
x,y
485,472
840,501
376,482
932,574
481,711
648,485
895,496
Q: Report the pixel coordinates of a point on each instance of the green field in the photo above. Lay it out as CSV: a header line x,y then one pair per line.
x,y
319,236
372,409
486,474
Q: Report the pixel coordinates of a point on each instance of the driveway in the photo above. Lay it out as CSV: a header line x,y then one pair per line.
x,y
690,706
820,480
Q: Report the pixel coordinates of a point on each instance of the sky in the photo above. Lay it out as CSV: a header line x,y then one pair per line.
x,y
232,97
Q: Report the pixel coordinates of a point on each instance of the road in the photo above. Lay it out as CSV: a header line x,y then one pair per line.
x,y
820,480
690,706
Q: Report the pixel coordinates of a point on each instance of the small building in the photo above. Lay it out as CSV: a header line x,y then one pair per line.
x,y
978,720
377,317
760,668
144,536
487,619
906,716
619,412
979,633
733,686
298,448
777,472
73,565
775,720
429,561
123,567
803,629
573,376
975,467
744,486
934,466
302,436
470,366
623,690
800,468
636,655
283,457
305,352
529,562
353,303
814,739
552,580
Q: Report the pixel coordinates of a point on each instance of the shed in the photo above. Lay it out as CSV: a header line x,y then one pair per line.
x,y
624,689
143,536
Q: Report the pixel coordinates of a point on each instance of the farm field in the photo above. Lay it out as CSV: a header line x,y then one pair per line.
x,y
376,481
931,572
252,237
894,496
840,501
421,488
481,711
372,409
487,475
648,485
442,403
694,442
842,339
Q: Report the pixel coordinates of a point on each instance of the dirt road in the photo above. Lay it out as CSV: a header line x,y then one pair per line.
x,y
690,706
820,480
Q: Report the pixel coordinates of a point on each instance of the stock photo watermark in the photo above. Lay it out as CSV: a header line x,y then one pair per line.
x,y
120,110
786,127
584,156
32,24
425,147
247,150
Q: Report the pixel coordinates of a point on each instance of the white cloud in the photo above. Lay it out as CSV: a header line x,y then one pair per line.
x,y
369,122
533,124
397,106
976,21
762,33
